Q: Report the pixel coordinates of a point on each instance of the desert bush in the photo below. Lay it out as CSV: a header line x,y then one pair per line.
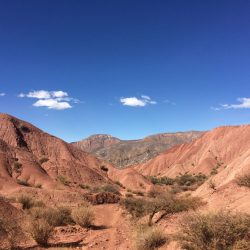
x,y
165,203
83,186
8,232
128,195
211,184
63,180
43,159
17,166
54,217
104,168
38,185
40,231
149,238
23,182
139,193
136,207
83,216
244,180
26,201
106,188
161,180
222,231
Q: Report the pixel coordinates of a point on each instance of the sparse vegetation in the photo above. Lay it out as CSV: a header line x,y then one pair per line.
x,y
244,180
214,171
222,230
165,203
149,238
211,184
83,186
106,188
38,185
26,201
83,216
23,182
104,168
54,217
182,182
17,166
43,159
40,231
63,180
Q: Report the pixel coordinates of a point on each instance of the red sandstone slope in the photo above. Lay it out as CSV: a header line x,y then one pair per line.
x,y
225,150
23,147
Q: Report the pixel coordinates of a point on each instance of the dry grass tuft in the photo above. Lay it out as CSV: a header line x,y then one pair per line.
x,y
83,216
40,231
222,230
149,238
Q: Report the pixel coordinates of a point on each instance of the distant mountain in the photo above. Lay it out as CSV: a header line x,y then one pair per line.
x,y
222,154
31,157
122,153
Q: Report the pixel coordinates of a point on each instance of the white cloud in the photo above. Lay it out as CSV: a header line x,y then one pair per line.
x,y
39,94
244,103
58,100
59,94
52,104
137,102
2,94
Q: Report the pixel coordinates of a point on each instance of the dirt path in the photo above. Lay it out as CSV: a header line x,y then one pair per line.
x,y
111,231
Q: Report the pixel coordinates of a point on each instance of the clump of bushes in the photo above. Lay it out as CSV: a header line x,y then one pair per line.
x,y
83,216
244,180
106,188
40,231
161,180
43,159
26,201
184,181
165,203
54,217
222,230
149,238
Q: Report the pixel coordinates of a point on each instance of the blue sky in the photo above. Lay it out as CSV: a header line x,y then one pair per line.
x,y
127,68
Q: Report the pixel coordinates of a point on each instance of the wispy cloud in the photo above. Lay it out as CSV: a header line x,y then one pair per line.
x,y
2,94
137,102
244,103
169,102
58,100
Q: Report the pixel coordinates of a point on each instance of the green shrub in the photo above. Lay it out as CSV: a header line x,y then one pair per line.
x,y
161,180
40,231
26,201
83,216
106,188
149,238
222,230
165,203
244,180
